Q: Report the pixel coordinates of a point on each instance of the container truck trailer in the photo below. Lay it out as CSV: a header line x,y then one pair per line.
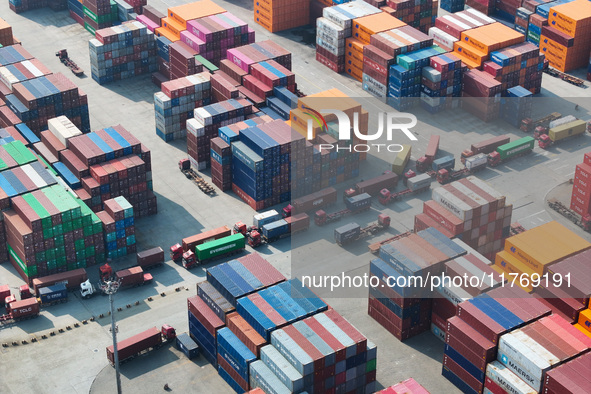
x,y
52,295
528,124
131,277
20,310
150,258
416,184
561,133
473,164
424,163
214,249
274,231
401,160
511,150
352,232
143,342
4,293
355,204
189,243
318,200
388,180
487,146
71,279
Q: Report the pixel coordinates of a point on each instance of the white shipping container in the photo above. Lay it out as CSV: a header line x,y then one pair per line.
x,y
470,197
330,28
419,181
261,376
344,14
431,74
518,353
452,203
480,15
488,189
444,38
457,21
261,219
203,116
195,128
561,121
507,380
328,352
471,251
32,68
340,335
454,294
468,18
438,332
34,176
292,352
476,161
284,371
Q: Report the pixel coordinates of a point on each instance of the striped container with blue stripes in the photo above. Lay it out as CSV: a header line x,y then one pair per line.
x,y
237,356
441,82
516,106
203,327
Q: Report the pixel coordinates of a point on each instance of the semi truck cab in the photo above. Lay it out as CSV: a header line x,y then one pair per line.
x,y
87,289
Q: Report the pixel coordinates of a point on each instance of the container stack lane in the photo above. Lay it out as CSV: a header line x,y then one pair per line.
x,y
517,65
119,227
441,83
581,195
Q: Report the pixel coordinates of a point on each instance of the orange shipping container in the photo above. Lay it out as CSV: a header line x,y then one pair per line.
x,y
354,48
491,37
164,32
365,27
571,18
172,25
470,53
199,9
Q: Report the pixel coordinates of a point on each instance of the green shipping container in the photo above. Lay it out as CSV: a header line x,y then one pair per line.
x,y
401,160
219,247
567,130
90,29
206,63
516,147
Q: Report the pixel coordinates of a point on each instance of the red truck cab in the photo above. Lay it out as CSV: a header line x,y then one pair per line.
x,y
176,252
8,300
241,228
286,212
105,272
25,292
544,141
424,163
494,159
189,260
254,238
168,332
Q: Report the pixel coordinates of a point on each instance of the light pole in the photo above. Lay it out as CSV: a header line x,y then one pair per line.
x,y
110,287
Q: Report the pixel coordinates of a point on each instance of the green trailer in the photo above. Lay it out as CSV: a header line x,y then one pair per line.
x,y
220,247
510,150
401,160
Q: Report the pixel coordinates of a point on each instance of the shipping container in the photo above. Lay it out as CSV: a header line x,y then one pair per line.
x,y
358,203
261,219
150,258
190,243
131,347
133,276
571,129
24,308
447,163
314,201
185,344
227,245
52,294
71,279
347,233
401,160
375,185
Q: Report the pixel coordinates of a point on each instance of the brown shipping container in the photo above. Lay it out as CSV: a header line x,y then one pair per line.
x,y
137,343
490,145
480,345
298,222
71,279
190,243
28,307
150,257
316,200
244,331
131,276
374,185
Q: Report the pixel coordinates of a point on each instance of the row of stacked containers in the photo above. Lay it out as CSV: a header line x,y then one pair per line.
x,y
581,195
63,189
262,331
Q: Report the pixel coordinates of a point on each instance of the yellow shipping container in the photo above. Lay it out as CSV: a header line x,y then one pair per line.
x,y
365,27
299,122
491,37
511,265
199,9
565,236
585,319
470,53
571,17
583,330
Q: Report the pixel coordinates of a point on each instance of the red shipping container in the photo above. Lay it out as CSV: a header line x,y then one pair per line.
x,y
204,314
587,158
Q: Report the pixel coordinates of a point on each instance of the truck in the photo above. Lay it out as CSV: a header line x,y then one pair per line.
x,y
355,204
131,277
211,250
401,160
276,230
388,180
51,295
317,200
71,279
259,220
4,293
528,124
25,292
561,133
583,222
416,184
473,164
424,163
487,146
511,150
20,310
150,258
352,232
189,243
143,342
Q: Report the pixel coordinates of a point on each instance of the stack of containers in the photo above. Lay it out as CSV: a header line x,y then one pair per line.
x,y
266,75
111,163
472,211
176,103
409,386
203,326
234,359
335,30
122,52
418,14
565,41
221,164
487,7
448,28
472,336
405,311
581,196
404,78
276,16
6,38
119,227
248,55
382,53
522,20
50,231
19,6
76,10
517,65
99,14
475,45
137,5
516,106
205,124
532,351
533,251
441,81
448,296
125,11
183,61
323,353
534,30
567,301
151,17
452,6
481,95
570,376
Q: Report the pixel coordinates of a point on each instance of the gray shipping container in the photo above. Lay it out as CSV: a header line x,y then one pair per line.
x,y
447,162
185,344
358,202
418,182
286,373
347,233
261,376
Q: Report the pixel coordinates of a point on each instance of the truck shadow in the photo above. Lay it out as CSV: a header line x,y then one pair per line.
x,y
148,362
37,324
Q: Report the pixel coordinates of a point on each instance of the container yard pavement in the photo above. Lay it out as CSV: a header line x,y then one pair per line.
x,y
184,210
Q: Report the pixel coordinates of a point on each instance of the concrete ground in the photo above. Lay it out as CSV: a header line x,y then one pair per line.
x,y
74,361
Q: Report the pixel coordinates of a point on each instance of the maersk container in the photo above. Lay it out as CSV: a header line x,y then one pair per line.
x,y
262,377
567,130
275,229
516,147
446,162
347,233
359,202
185,344
476,162
261,219
401,159
219,247
55,293
418,182
506,379
284,371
